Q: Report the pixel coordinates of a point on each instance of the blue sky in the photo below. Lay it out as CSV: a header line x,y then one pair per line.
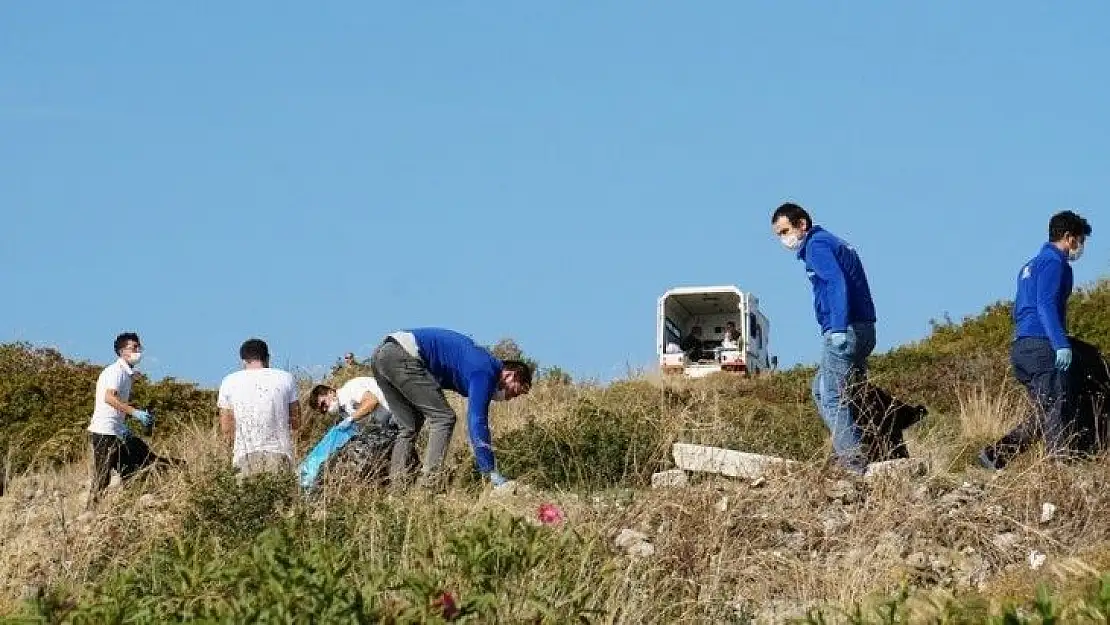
x,y
320,174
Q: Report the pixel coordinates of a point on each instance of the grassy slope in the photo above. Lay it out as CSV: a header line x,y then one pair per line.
x,y
723,549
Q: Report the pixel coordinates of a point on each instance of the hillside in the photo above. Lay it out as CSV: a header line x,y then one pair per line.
x,y
949,544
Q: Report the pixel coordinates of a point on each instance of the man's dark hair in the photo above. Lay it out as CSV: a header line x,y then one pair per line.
x,y
254,349
122,339
317,392
520,368
793,213
1065,223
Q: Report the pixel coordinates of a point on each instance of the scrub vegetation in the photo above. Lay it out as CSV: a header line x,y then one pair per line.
x,y
584,537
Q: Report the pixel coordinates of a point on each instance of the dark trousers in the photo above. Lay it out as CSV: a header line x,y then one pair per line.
x,y
1034,364
125,456
414,396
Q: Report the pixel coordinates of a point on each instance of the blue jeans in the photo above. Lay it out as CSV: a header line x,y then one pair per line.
x,y
839,368
1034,365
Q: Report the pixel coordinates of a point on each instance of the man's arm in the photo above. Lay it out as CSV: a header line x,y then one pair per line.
x,y
111,397
823,261
1050,279
227,425
366,406
479,396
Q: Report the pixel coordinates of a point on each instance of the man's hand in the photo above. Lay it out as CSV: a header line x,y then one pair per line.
x,y
838,339
125,432
143,417
496,479
1063,358
146,419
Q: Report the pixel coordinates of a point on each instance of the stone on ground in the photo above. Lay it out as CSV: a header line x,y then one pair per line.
x,y
672,478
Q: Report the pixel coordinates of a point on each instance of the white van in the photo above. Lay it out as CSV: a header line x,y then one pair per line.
x,y
710,308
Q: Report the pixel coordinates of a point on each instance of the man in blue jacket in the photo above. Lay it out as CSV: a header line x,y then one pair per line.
x,y
846,314
414,367
1040,353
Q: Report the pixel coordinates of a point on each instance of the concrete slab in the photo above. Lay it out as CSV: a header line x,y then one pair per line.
x,y
729,462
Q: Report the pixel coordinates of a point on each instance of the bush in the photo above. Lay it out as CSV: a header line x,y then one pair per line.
x,y
612,437
46,401
488,567
219,505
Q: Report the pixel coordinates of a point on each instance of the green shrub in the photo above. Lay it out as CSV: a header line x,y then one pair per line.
x,y
219,505
615,436
46,401
489,567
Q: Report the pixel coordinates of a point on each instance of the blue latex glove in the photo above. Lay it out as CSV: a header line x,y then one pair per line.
x,y
125,432
1063,358
838,339
144,417
497,479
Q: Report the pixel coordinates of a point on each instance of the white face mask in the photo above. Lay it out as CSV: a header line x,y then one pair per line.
x,y
334,407
791,241
134,357
1074,255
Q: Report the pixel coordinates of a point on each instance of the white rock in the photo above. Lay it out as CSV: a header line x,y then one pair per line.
x,y
908,466
641,550
1005,541
669,479
1036,559
725,461
1048,511
722,505
629,537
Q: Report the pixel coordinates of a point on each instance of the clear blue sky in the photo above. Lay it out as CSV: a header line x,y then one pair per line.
x,y
318,174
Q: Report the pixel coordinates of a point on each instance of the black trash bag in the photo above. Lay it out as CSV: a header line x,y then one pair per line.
x,y
1090,384
882,418
365,457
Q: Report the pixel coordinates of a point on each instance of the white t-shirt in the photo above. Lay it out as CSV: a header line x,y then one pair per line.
x,y
106,419
350,394
259,400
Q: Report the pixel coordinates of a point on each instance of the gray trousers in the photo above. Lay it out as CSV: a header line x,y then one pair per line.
x,y
413,396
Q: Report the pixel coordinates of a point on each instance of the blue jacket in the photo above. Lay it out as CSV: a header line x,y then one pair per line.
x,y
1041,306
460,365
841,295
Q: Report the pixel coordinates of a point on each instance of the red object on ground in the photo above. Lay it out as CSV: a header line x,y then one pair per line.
x,y
550,514
446,604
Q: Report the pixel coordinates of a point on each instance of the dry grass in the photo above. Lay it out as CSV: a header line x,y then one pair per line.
x,y
987,413
723,548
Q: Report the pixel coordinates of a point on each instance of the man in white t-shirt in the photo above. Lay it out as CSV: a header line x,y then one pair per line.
x,y
259,412
114,446
355,399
